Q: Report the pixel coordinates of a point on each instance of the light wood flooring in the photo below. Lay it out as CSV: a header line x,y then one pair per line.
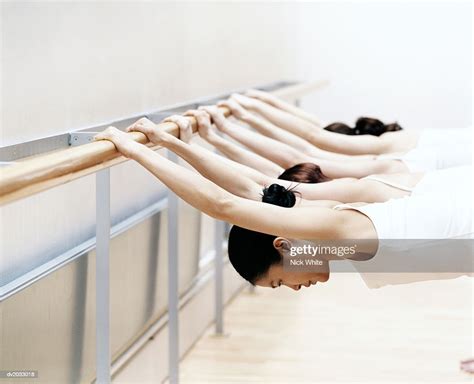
x,y
341,332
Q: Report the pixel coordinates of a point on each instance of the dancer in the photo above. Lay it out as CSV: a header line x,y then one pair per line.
x,y
363,126
443,148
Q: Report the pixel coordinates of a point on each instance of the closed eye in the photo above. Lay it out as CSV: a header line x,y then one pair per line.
x,y
275,286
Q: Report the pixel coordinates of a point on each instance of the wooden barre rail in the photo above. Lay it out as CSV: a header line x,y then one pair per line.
x,y
38,173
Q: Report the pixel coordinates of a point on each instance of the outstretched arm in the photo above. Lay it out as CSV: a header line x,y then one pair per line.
x,y
254,164
250,161
202,194
190,186
207,163
271,149
280,118
329,141
268,129
284,106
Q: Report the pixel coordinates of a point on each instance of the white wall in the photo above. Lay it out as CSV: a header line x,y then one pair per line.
x,y
407,61
74,64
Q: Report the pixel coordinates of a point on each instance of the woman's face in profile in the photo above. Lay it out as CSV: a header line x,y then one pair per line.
x,y
293,271
280,274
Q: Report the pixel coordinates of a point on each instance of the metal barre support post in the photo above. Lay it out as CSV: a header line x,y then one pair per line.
x,y
102,330
173,287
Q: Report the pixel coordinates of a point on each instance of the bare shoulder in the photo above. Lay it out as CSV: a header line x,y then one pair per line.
x,y
344,223
355,224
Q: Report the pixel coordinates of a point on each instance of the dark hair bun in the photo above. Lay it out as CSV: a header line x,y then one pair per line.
x,y
279,195
364,126
369,126
304,173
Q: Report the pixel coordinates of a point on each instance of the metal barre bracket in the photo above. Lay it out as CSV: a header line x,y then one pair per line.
x,y
86,137
80,138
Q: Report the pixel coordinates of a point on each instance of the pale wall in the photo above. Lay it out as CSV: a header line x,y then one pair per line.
x,y
407,61
70,65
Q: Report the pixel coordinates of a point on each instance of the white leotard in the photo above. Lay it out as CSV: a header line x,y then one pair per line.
x,y
440,207
388,182
430,138
437,149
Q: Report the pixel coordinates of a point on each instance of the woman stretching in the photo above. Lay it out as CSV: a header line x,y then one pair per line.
x,y
264,234
363,126
431,149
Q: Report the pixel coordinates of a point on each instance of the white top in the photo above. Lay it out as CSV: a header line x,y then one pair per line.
x,y
436,138
437,149
440,207
388,182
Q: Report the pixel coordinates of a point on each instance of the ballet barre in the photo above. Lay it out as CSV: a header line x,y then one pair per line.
x,y
29,176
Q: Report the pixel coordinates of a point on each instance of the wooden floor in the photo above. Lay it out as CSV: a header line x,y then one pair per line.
x,y
341,332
